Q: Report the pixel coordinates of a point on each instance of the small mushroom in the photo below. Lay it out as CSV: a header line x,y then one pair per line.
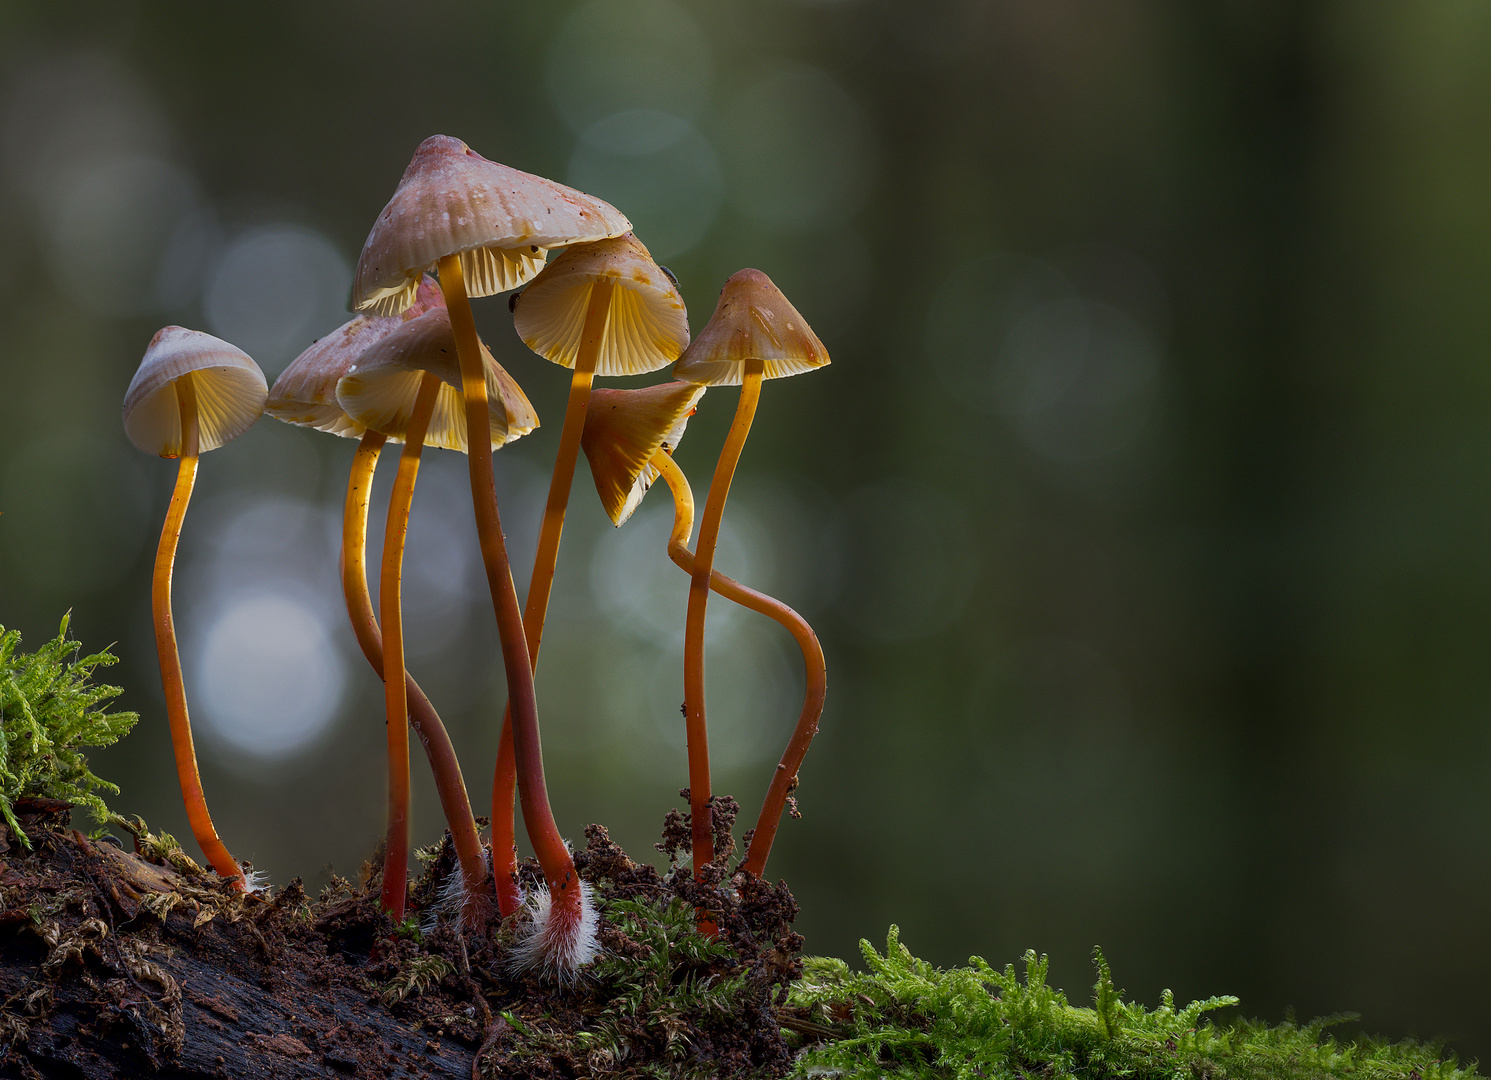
x,y
754,334
192,393
601,308
407,387
477,219
629,440
305,394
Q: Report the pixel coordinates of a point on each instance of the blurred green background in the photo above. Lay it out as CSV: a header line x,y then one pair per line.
x,y
1143,512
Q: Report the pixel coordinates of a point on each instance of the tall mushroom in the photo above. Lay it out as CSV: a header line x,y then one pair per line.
x,y
305,394
407,386
192,393
755,333
629,440
601,308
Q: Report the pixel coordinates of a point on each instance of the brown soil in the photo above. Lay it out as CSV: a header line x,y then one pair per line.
x,y
127,964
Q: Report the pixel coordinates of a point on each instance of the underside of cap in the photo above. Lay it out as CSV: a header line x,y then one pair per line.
x,y
647,327
500,220
230,392
380,390
623,430
752,321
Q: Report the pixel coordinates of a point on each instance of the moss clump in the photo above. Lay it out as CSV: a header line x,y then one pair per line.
x,y
48,709
905,1018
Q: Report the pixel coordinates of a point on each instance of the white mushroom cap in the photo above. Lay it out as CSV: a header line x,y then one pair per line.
x,y
647,328
752,321
380,389
306,391
230,392
624,429
501,221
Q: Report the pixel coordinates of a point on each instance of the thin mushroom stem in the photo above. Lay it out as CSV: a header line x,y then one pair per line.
x,y
693,642
449,783
165,644
816,670
395,690
543,833
546,559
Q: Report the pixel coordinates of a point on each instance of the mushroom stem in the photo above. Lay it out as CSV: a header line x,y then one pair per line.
x,y
816,670
449,783
543,833
546,559
395,690
693,642
165,644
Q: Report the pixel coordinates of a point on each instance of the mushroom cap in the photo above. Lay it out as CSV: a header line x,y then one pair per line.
x,y
380,389
451,200
624,429
230,392
648,325
306,391
752,321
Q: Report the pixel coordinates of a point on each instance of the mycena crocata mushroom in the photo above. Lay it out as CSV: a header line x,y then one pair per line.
x,y
305,394
754,334
406,386
629,440
478,220
601,308
192,393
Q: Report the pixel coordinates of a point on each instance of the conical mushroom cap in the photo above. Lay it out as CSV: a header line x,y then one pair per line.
x,y
752,321
380,389
306,391
647,328
624,429
500,220
230,391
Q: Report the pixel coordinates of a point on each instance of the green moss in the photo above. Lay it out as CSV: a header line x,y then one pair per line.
x,y
48,709
905,1018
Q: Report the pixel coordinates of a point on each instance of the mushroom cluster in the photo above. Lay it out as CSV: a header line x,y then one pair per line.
x,y
409,368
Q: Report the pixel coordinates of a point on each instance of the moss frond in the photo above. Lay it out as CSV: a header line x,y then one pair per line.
x,y
49,708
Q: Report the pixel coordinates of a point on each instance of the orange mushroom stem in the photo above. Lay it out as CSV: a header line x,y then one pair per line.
x,y
165,645
695,724
563,930
784,780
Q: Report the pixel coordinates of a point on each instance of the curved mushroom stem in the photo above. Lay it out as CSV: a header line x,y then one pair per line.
x,y
449,783
544,562
165,645
693,641
395,690
566,901
784,780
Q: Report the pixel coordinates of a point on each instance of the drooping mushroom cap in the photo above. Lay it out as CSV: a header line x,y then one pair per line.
x,y
380,389
230,391
500,220
306,391
648,325
624,429
752,321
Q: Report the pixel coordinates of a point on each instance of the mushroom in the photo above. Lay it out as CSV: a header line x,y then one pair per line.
x,y
406,386
192,393
601,308
754,334
629,440
480,219
305,394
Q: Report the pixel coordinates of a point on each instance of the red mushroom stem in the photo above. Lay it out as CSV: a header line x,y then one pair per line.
x,y
784,780
543,833
449,783
165,644
693,642
545,561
